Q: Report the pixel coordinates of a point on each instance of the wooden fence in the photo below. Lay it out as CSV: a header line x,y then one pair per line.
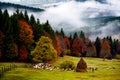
x,y
4,69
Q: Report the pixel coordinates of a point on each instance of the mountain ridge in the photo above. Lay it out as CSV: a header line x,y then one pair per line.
x,y
5,5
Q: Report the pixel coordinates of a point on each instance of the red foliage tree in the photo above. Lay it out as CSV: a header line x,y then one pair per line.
x,y
23,53
60,45
87,41
78,47
63,45
67,42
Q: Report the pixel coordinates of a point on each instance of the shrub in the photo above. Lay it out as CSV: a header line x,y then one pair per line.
x,y
81,66
67,65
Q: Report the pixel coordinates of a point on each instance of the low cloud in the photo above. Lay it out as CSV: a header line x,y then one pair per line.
x,y
76,16
72,16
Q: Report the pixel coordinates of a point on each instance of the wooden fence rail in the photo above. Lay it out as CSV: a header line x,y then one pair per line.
x,y
6,68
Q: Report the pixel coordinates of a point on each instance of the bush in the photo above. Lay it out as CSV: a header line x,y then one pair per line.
x,y
67,52
67,65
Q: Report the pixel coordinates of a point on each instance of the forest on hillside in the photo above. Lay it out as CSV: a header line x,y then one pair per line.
x,y
24,39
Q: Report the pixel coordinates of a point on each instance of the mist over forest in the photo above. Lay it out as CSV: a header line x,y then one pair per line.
x,y
94,17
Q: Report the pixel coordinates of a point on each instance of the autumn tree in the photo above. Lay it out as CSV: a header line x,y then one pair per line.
x,y
58,46
26,33
23,53
91,50
63,45
113,45
67,42
68,45
78,47
44,50
87,41
105,49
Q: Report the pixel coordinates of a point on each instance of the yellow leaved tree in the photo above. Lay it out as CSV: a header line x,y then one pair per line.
x,y
44,50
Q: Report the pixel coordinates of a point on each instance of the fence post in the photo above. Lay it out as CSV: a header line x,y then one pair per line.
x,y
7,68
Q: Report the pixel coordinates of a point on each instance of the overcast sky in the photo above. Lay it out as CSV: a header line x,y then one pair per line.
x,y
71,15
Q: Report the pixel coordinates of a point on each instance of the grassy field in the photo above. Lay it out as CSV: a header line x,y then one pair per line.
x,y
107,70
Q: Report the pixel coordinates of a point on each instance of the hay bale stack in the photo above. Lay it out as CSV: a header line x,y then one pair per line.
x,y
81,66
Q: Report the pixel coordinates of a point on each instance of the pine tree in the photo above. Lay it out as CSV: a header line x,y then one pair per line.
x,y
75,35
71,40
26,16
98,46
48,31
21,15
5,22
62,33
1,19
32,20
82,35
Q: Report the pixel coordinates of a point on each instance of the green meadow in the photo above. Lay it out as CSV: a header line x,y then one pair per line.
x,y
106,70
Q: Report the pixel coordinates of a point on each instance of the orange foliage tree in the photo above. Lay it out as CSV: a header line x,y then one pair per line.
x,y
58,46
105,48
26,32
61,45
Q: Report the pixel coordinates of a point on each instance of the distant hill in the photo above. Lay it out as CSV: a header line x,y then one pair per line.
x,y
101,1
4,5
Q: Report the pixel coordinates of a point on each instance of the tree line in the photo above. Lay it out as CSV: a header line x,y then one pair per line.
x,y
24,38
